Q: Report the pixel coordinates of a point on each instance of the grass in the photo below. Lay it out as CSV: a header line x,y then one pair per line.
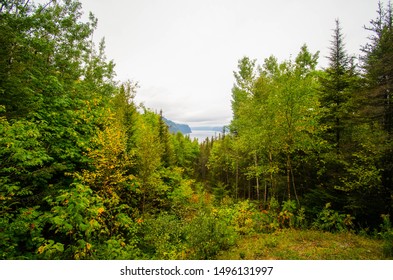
x,y
291,244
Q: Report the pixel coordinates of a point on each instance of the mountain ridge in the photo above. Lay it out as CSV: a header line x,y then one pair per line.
x,y
177,127
210,128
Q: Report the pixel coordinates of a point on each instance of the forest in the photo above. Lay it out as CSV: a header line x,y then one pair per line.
x,y
86,173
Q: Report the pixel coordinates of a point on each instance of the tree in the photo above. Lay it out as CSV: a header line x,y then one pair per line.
x,y
45,49
164,137
275,117
336,90
377,63
243,96
338,83
377,109
245,78
297,115
186,153
51,112
126,112
148,159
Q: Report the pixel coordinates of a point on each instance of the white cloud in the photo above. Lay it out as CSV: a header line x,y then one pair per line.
x,y
183,53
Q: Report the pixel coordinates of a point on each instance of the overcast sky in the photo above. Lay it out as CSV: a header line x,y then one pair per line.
x,y
183,53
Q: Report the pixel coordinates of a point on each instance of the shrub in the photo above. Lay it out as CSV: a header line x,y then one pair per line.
x,y
163,237
300,219
331,220
267,221
242,219
207,235
387,236
287,217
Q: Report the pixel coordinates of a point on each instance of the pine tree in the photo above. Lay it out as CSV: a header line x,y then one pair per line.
x,y
378,65
164,137
335,89
338,84
377,99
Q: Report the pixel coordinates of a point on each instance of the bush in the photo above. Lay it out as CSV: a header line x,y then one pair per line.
x,y
387,236
331,220
267,220
163,238
242,219
207,235
275,218
287,217
301,221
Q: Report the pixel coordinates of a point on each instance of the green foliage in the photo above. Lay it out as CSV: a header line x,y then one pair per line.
x,y
87,174
277,217
276,117
180,196
163,237
23,168
207,236
74,221
267,220
87,226
21,233
301,219
331,220
387,236
220,191
186,153
287,213
239,216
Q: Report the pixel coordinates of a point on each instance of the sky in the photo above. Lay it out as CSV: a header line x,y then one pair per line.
x,y
183,53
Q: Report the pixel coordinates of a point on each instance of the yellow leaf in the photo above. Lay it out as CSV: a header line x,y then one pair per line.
x,y
100,210
41,249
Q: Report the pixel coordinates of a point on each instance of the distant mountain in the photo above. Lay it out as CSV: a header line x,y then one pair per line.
x,y
177,127
210,128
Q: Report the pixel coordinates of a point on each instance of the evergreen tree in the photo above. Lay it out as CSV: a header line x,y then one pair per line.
x,y
126,111
336,94
336,90
377,98
164,136
377,63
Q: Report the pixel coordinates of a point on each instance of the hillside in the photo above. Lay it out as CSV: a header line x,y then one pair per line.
x,y
177,127
208,128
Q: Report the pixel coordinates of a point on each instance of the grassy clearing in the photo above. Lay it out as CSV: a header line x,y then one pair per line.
x,y
290,244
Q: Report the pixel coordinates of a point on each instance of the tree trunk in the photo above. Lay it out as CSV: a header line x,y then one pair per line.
x,y
288,176
271,172
294,185
256,173
249,189
237,178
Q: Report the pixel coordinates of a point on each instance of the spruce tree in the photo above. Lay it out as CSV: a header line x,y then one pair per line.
x,y
337,84
378,107
335,89
378,66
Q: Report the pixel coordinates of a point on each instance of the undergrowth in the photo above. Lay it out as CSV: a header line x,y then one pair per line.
x,y
243,231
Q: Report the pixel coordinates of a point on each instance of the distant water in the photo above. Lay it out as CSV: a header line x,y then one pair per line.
x,y
201,135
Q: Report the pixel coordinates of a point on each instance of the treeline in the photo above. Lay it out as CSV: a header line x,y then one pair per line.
x,y
313,136
85,173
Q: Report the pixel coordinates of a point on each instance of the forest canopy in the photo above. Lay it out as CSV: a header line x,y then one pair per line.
x,y
85,173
